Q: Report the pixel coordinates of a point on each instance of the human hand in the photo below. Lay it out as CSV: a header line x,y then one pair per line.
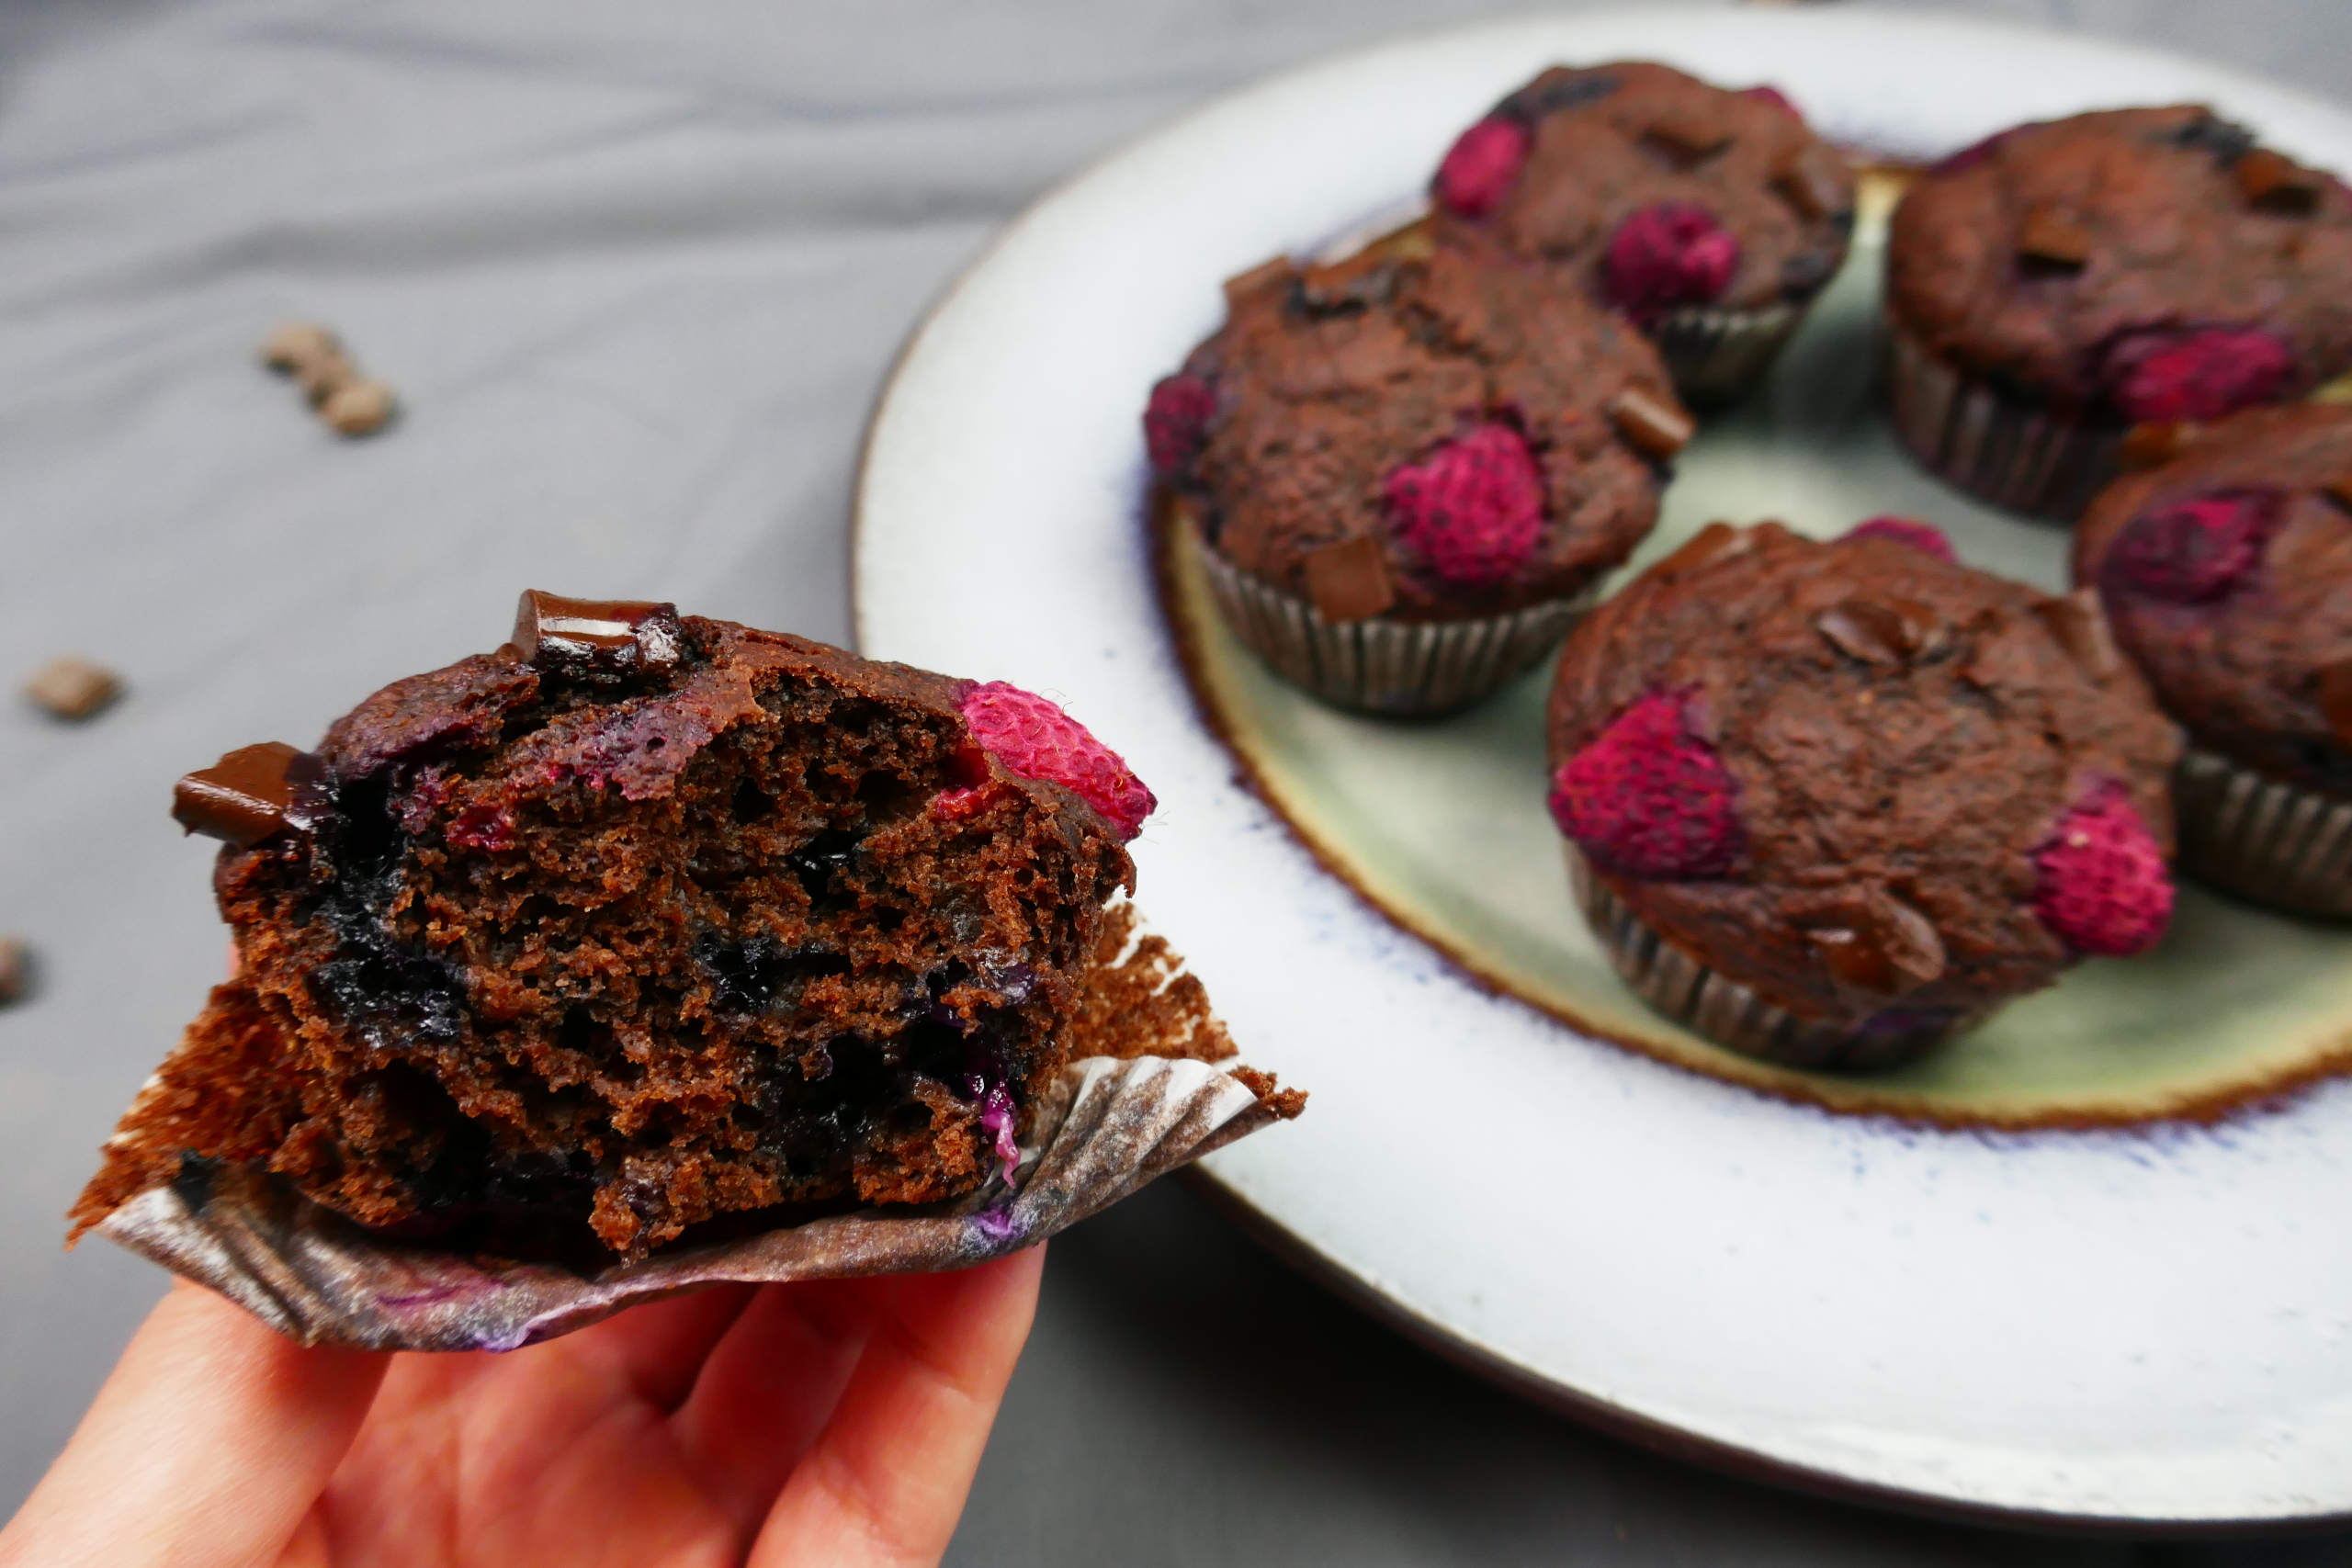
x,y
835,1422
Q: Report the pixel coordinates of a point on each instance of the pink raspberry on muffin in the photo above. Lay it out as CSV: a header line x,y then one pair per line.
x,y
1175,421
2195,551
1474,507
1650,799
1480,165
1034,738
2102,887
1671,254
2171,373
1925,537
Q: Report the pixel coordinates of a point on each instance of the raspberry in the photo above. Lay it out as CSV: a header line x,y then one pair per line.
x,y
1480,165
1925,537
1672,254
1176,421
2102,883
2168,373
1648,798
1770,95
1474,508
2195,551
1036,738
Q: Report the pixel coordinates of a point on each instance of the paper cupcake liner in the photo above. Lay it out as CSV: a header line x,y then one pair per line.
x,y
1107,1126
1732,1015
1719,356
2274,843
2012,454
1382,666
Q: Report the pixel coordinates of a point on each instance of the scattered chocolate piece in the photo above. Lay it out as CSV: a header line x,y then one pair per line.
x,y
1881,945
73,688
1349,580
596,636
1266,275
15,970
359,408
2054,239
2276,182
2156,443
2336,700
293,347
1876,633
1813,178
348,403
1658,428
1689,135
2079,623
252,793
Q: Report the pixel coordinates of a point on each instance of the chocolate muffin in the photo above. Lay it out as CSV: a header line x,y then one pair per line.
x,y
1830,804
638,924
1711,218
2055,285
2227,574
1406,472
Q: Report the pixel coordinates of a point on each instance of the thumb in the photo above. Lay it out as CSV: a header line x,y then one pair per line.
x,y
206,1448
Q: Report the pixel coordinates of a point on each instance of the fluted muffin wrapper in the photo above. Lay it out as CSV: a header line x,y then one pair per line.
x,y
1383,666
1718,356
2006,451
1731,1014
2267,840
1104,1128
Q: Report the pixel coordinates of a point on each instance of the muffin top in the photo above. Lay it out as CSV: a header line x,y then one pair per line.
x,y
1653,189
1860,779
2227,575
2150,263
1417,430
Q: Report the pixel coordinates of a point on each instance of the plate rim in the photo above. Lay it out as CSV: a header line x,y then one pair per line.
x,y
1738,1459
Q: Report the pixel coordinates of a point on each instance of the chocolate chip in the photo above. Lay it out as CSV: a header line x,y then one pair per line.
x,y
1689,134
1359,281
1532,103
1890,632
2155,442
1349,580
1879,944
252,793
2226,139
2052,238
1716,541
1814,179
2274,183
73,688
1277,272
2336,700
15,970
2079,623
597,638
1656,425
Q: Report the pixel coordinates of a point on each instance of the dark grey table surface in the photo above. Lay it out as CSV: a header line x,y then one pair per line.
x,y
640,271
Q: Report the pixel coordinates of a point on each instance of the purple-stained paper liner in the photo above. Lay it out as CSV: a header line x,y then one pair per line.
x,y
1104,1129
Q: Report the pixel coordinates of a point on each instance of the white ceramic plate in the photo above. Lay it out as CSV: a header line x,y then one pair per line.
x,y
2149,1325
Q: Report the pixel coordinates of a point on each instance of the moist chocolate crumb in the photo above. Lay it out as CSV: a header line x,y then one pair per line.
x,y
73,688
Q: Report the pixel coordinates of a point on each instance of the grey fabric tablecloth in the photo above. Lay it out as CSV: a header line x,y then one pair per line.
x,y
639,271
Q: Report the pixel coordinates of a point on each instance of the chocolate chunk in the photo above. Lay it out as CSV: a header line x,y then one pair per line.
x,y
1277,272
1658,428
1533,102
1689,134
2336,700
1889,633
2054,239
1812,179
2149,444
73,688
252,793
2276,182
15,970
606,638
2226,139
1349,580
1716,541
292,347
1356,283
2079,623
1879,944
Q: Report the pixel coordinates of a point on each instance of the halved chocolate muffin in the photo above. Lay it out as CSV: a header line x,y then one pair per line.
x,y
640,921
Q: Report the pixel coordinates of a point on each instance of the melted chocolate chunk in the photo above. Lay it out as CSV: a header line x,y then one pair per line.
x,y
1532,103
252,792
607,639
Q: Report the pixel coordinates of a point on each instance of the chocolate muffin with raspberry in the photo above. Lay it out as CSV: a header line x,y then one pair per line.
x,y
1711,218
1404,473
2227,574
2058,284
640,924
1831,804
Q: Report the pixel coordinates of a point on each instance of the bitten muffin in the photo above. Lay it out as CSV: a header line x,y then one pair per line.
x,y
2059,283
2227,575
640,921
1830,804
1711,218
1406,472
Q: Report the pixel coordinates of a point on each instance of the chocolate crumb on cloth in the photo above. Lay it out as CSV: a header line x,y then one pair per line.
x,y
650,939
1832,803
73,688
2055,285
348,403
1405,472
